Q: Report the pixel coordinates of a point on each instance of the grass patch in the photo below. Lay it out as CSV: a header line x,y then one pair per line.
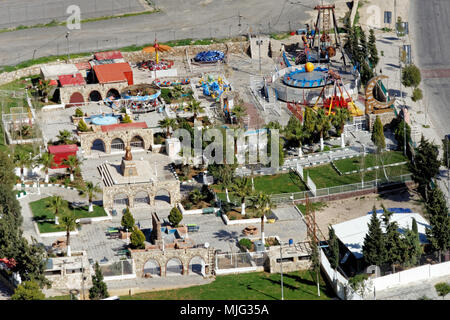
x,y
45,218
279,183
351,164
298,285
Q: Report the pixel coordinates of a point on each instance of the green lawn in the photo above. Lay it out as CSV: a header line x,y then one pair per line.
x,y
275,184
351,164
298,285
41,212
326,176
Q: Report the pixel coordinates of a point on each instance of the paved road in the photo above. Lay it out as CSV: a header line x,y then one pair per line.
x,y
430,30
179,20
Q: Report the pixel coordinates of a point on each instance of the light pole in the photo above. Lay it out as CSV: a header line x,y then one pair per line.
x,y
67,37
259,43
281,269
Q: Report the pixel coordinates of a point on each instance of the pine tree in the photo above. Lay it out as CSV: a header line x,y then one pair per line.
x,y
425,165
374,248
309,122
127,220
28,290
399,134
446,152
378,135
137,238
394,245
99,290
414,248
372,46
334,248
175,216
438,215
364,51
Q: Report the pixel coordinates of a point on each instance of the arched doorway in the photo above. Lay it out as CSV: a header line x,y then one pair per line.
x,y
141,198
152,267
174,267
114,93
117,144
95,96
98,145
137,142
120,199
76,99
197,266
162,197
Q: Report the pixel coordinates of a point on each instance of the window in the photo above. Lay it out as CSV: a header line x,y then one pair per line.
x,y
387,17
291,259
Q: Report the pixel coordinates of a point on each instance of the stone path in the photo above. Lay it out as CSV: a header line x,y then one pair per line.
x,y
413,291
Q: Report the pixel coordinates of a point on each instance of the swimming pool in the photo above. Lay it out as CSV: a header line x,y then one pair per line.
x,y
103,119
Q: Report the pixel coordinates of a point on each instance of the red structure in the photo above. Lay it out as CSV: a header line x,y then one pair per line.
x,y
114,72
9,263
71,80
296,110
62,152
124,126
109,55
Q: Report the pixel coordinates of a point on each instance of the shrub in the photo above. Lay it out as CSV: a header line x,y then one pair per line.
x,y
82,126
411,76
417,94
137,239
78,112
28,290
126,119
127,220
175,216
246,243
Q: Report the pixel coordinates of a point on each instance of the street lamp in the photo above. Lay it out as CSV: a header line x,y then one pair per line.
x,y
67,37
281,269
259,43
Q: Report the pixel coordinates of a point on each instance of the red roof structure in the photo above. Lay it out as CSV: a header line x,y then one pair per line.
x,y
114,72
61,153
83,66
71,80
124,126
109,55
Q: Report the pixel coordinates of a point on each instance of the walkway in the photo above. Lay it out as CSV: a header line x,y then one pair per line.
x,y
413,291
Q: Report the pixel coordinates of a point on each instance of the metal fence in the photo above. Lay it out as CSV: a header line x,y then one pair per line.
x,y
119,268
235,260
366,185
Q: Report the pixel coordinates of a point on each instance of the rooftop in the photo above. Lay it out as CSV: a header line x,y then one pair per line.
x,y
71,80
352,233
108,55
52,71
113,72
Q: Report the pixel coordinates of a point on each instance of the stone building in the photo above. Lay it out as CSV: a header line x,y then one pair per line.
x,y
294,257
135,181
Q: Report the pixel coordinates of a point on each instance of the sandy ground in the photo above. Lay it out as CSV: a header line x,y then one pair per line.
x,y
347,209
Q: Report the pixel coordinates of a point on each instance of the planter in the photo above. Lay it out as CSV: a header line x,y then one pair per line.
x,y
241,221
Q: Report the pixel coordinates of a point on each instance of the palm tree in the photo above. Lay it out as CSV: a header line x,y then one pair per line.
x,y
196,196
242,189
72,162
55,204
90,189
44,87
239,112
263,205
194,106
22,159
295,132
322,125
47,161
64,136
68,222
167,123
225,177
340,117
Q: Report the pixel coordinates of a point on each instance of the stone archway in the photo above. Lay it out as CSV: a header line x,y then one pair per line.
x,y
141,198
113,92
152,267
95,96
137,142
174,267
121,199
197,266
98,145
117,144
162,196
76,99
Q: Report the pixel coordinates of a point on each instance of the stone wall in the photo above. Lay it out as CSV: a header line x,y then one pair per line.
x,y
130,190
140,257
85,90
87,138
385,118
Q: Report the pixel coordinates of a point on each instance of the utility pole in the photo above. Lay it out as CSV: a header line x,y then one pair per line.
x,y
67,37
281,269
259,43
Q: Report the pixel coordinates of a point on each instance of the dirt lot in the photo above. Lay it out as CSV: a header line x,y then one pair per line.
x,y
347,209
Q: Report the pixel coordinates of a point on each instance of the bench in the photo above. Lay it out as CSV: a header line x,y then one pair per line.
x,y
193,228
